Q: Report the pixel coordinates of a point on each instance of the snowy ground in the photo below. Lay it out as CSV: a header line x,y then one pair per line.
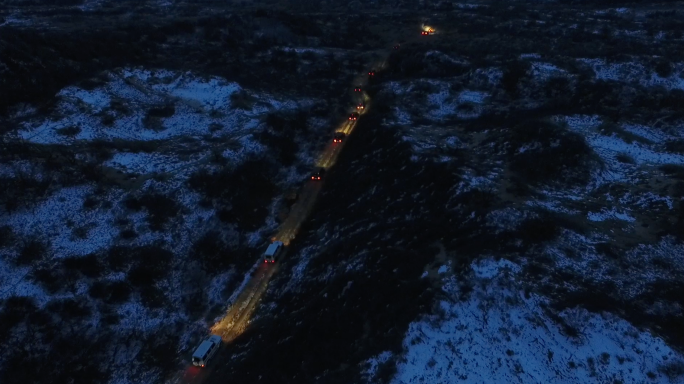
x,y
635,72
203,122
202,106
499,334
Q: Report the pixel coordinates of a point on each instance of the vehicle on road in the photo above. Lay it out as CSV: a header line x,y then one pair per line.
x,y
339,137
206,351
318,175
357,89
273,251
354,116
428,31
371,73
361,105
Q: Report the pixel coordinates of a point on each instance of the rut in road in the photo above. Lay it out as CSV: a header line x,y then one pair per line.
x,y
238,316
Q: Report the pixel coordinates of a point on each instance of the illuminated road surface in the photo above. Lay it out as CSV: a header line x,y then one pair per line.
x,y
238,315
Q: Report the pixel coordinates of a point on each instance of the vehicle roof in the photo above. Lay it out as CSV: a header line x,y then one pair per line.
x,y
271,250
202,349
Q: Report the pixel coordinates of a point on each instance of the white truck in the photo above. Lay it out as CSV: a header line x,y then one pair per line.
x,y
206,351
273,251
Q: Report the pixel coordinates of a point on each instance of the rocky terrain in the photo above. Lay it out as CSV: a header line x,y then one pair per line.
x,y
508,210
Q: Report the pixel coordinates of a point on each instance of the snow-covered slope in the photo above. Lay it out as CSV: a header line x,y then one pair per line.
x,y
498,333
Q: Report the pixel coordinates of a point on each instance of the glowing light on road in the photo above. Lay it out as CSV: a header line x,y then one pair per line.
x,y
238,315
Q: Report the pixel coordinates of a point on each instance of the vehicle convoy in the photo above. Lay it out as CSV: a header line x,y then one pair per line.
x,y
354,116
273,251
206,351
339,137
428,31
318,175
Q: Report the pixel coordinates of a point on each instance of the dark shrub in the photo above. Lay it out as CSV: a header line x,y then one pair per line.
x,y
152,297
68,360
625,158
68,131
89,265
128,234
244,193
160,352
55,279
386,371
146,273
18,192
111,292
538,230
31,251
673,369
90,202
608,250
7,236
512,76
108,119
212,252
280,139
160,208
81,232
674,170
676,146
15,309
557,91
475,200
98,290
162,111
242,100
283,146
133,203
663,68
91,171
541,153
118,258
153,259
69,309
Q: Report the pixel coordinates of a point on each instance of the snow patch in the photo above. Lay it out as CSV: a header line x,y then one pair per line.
x,y
634,72
611,214
56,218
500,335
